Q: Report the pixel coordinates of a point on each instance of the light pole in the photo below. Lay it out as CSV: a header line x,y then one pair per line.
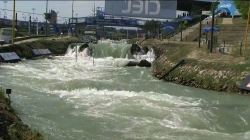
x,y
212,30
13,22
57,16
72,9
46,24
200,31
33,13
76,15
70,22
5,14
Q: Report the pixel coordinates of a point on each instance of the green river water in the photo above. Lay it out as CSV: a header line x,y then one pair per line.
x,y
68,100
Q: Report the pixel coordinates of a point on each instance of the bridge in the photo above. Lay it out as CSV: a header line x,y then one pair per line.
x,y
110,21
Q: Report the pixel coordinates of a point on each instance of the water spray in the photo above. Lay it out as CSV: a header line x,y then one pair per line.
x,y
93,54
76,52
150,51
8,92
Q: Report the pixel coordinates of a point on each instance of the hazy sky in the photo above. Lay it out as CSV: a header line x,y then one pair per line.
x,y
81,8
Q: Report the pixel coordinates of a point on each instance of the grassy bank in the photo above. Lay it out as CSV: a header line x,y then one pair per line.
x,y
212,71
24,50
12,127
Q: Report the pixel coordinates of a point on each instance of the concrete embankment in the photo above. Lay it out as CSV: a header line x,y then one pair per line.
x,y
205,70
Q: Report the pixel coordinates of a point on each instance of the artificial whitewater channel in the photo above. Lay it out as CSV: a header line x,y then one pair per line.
x,y
100,99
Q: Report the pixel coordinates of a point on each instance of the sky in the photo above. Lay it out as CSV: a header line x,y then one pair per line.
x,y
81,7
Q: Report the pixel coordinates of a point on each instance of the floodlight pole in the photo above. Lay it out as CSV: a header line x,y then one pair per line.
x,y
200,32
13,22
212,30
46,16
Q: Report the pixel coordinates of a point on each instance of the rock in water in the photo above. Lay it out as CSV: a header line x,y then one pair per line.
x,y
82,47
132,63
135,49
144,63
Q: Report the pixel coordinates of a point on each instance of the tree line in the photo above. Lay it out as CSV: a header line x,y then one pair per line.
x,y
243,7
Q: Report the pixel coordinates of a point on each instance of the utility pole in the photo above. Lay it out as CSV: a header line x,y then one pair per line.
x,y
5,14
33,13
72,10
57,17
212,31
76,15
29,25
94,10
200,31
13,22
70,23
46,24
246,34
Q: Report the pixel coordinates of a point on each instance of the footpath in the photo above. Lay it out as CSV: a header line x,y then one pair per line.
x,y
34,39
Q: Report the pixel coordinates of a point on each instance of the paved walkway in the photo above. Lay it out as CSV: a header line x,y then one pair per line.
x,y
227,21
34,39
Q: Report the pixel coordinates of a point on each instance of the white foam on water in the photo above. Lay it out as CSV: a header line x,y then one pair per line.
x,y
132,114
120,62
105,103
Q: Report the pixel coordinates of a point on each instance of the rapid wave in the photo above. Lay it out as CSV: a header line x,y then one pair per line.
x,y
117,52
97,99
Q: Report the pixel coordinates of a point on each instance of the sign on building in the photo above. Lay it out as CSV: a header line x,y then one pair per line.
x,y
142,8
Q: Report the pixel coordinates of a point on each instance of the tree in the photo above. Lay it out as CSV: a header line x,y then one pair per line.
x,y
181,27
185,23
243,7
151,26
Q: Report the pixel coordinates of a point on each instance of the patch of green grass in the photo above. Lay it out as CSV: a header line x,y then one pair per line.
x,y
24,50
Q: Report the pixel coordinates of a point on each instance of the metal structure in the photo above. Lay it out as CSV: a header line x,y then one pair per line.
x,y
33,9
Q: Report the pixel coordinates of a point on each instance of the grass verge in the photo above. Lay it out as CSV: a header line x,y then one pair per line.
x,y
212,71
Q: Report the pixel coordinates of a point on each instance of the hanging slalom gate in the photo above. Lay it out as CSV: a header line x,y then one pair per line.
x,y
247,33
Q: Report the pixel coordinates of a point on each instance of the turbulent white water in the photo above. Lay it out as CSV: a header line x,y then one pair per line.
x,y
68,100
